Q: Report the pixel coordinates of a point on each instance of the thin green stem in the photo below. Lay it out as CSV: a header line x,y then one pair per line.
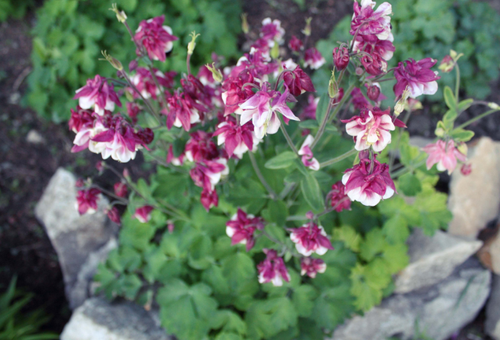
x,y
457,84
407,169
470,121
261,177
148,104
162,95
339,158
287,136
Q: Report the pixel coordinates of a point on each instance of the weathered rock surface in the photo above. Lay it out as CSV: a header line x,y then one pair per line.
x,y
97,319
492,324
432,259
74,237
475,199
438,311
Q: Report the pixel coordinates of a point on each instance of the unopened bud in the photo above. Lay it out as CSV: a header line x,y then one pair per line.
x,y
192,43
218,77
114,62
373,92
359,71
310,215
120,15
132,65
79,183
462,148
453,54
126,174
275,51
439,132
447,64
333,89
402,102
244,24
170,227
307,29
493,106
129,96
466,169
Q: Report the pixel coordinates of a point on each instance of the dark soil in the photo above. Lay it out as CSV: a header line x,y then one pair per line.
x,y
26,167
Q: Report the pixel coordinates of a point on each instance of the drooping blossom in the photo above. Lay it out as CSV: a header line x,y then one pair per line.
x,y
310,238
366,21
262,110
369,44
359,100
80,118
370,129
338,198
416,76
143,214
120,189
209,199
373,92
444,154
182,112
369,181
307,155
237,139
374,64
200,147
156,38
310,110
295,44
241,228
207,174
86,200
313,58
297,81
311,266
114,215
133,110
340,57
99,94
272,269
447,64
272,31
146,85
206,76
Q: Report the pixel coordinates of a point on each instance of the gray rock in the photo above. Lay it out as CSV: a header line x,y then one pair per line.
x,y
472,207
492,324
432,259
436,311
74,237
34,137
97,319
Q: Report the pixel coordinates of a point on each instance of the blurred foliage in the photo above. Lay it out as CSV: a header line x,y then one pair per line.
x,y
15,325
70,34
14,8
428,28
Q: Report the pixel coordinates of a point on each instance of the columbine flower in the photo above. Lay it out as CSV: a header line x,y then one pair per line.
x,y
384,49
447,64
340,57
370,128
368,182
338,198
313,58
207,174
298,82
416,76
177,161
156,38
200,147
295,44
209,198
237,139
310,238
80,118
145,84
366,21
373,64
310,110
99,94
114,215
133,110
120,189
307,155
373,92
311,266
182,112
272,31
86,200
261,109
241,228
444,154
272,269
143,214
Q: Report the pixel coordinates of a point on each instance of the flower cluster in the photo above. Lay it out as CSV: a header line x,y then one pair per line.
x,y
241,228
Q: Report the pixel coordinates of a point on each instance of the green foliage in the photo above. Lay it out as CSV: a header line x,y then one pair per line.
x,y
14,9
427,28
70,34
14,324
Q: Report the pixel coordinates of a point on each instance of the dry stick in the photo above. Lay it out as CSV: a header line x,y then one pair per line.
x,y
261,177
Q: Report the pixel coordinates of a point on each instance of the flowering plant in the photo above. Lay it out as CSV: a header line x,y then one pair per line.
x,y
238,234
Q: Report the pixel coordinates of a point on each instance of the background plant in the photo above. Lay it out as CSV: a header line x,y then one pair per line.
x,y
70,34
14,9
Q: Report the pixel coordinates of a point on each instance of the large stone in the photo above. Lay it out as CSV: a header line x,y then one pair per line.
x,y
492,324
475,198
436,311
74,237
432,259
97,319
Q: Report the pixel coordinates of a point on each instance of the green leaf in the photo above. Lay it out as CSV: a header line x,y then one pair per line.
x,y
349,236
155,259
332,306
373,244
323,104
267,318
309,124
277,212
239,271
395,229
312,192
130,285
409,184
449,98
366,292
449,117
433,210
281,161
396,257
464,104
200,252
303,300
461,135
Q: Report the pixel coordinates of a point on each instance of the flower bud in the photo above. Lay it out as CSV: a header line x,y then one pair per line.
x,y
462,148
120,15
244,24
340,57
114,215
307,29
310,215
275,51
132,65
126,174
373,92
402,102
493,106
333,89
192,43
466,169
114,62
359,71
447,64
216,73
170,227
79,183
